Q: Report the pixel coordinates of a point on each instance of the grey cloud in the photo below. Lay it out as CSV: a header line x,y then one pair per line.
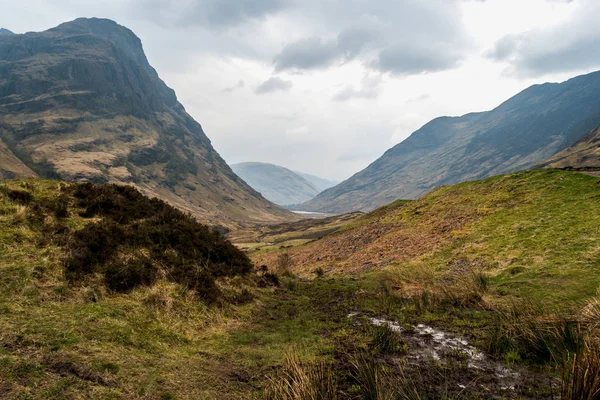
x,y
411,58
369,89
235,87
568,47
231,12
216,14
314,52
354,39
272,85
307,53
370,33
504,48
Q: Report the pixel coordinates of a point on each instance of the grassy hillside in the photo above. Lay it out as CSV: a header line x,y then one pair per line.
x,y
104,292
480,290
533,232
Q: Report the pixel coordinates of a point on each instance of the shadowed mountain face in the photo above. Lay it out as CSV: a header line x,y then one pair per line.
x,y
520,133
278,184
583,156
5,32
80,102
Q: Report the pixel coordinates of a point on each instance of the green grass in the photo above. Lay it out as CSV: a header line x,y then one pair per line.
x,y
539,237
529,236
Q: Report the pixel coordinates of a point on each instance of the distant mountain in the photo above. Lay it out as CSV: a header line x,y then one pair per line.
x,y
583,156
520,133
319,183
278,184
5,32
80,102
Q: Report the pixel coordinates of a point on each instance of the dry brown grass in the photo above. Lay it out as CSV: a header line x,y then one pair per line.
x,y
20,215
302,381
581,373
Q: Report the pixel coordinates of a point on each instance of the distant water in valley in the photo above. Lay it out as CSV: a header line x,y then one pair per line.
x,y
310,214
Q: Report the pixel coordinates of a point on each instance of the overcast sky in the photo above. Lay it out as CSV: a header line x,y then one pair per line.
x,y
325,87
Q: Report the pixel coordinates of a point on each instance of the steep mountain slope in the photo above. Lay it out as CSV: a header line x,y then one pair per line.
x,y
583,156
533,232
275,183
81,102
520,133
5,32
10,165
319,183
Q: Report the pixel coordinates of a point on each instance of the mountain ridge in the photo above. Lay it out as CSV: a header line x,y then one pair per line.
x,y
521,132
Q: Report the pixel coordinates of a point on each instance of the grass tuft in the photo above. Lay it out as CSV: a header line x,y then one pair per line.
x,y
298,381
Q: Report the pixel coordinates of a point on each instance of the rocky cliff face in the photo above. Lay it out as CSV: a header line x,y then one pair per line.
x,y
80,102
520,133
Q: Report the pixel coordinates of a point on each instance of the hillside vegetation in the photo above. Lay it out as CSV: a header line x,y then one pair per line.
x,y
535,233
484,289
102,290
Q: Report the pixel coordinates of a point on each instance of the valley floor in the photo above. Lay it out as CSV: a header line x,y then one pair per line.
x,y
502,304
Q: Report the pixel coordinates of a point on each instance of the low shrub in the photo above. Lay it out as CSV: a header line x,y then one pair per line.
x,y
139,239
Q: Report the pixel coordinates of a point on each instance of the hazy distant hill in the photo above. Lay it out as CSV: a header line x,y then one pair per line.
x,y
319,183
80,102
5,32
520,133
278,184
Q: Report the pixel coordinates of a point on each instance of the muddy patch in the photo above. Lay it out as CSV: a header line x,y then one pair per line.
x,y
466,369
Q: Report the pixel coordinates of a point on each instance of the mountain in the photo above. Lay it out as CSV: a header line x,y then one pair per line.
x,y
319,183
277,184
520,133
5,32
583,156
80,102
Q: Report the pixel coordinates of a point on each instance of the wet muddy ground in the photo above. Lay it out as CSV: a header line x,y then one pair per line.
x,y
442,363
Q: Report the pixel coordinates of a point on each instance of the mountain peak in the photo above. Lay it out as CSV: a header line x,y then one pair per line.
x,y
5,32
104,115
119,35
93,25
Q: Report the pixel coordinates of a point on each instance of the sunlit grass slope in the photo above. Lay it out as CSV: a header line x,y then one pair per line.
x,y
536,233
